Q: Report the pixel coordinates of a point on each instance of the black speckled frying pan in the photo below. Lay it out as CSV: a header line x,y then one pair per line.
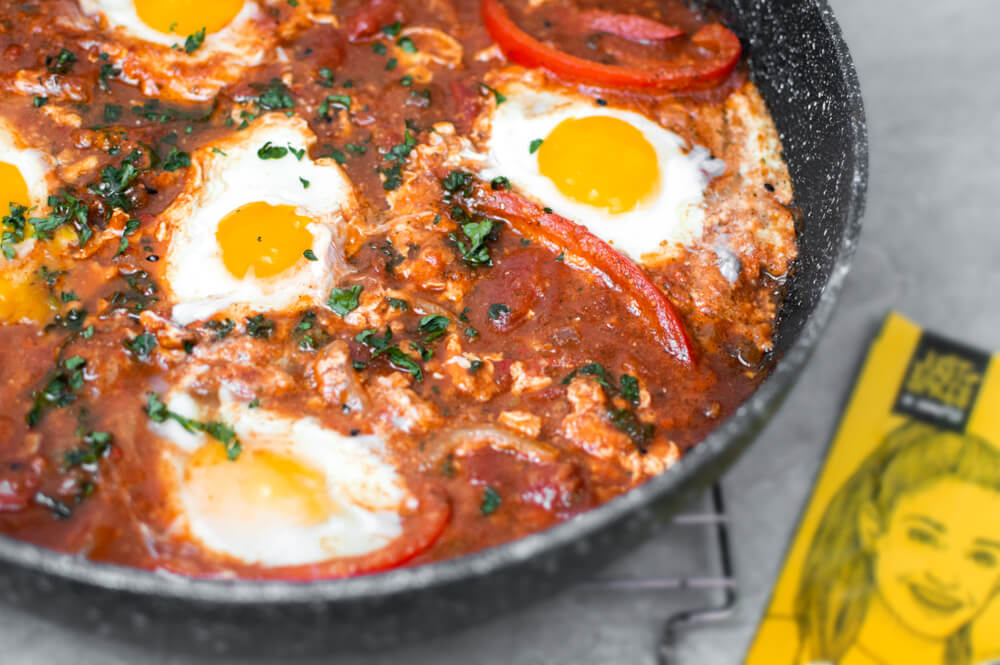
x,y
804,71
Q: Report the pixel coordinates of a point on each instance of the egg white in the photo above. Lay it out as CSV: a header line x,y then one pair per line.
x,y
229,174
35,166
673,213
122,16
37,170
366,489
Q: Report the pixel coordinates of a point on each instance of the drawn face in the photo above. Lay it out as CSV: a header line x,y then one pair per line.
x,y
937,561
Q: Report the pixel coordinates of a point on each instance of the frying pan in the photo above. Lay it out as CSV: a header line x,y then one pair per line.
x,y
802,67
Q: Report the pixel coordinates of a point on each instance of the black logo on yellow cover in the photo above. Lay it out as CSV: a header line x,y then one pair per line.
x,y
942,382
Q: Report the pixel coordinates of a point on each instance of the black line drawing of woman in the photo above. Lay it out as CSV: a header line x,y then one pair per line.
x,y
907,554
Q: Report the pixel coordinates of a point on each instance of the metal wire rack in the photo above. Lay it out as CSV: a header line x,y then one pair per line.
x,y
719,583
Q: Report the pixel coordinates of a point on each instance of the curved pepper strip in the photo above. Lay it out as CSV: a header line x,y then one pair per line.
x,y
628,26
569,237
525,50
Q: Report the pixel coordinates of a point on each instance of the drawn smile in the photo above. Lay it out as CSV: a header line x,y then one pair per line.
x,y
938,601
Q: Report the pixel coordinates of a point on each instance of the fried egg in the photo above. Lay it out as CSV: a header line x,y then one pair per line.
x,y
170,22
297,492
159,44
257,225
25,173
631,182
26,180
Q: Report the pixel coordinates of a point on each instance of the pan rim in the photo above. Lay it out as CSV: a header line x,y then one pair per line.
x,y
677,479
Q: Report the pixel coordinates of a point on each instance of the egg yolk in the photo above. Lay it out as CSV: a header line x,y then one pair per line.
x,y
270,239
186,17
601,161
13,188
21,300
259,486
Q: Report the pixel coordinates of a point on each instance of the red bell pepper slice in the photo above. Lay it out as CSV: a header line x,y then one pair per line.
x,y
682,73
560,234
628,26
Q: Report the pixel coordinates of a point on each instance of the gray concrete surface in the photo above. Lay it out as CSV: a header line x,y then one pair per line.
x,y
931,249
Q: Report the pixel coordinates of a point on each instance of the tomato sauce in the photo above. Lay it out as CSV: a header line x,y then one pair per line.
x,y
554,341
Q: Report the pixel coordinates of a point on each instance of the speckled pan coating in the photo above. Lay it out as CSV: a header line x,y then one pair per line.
x,y
805,73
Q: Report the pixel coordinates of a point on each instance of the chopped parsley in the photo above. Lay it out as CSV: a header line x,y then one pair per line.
x,y
491,501
455,182
107,71
158,412
379,48
96,446
61,63
112,112
131,226
221,328
274,96
335,101
39,101
310,255
259,327
152,110
497,95
175,160
269,151
500,182
344,301
194,41
473,247
13,230
638,432
498,312
398,303
392,30
624,419
61,386
433,326
630,389
305,185
117,181
141,346
298,152
535,145
64,208
396,356
595,370
397,154
407,45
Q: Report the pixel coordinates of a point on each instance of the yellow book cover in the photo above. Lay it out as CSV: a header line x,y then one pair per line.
x,y
897,556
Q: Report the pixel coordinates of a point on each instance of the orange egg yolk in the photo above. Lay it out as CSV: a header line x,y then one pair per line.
x,y
270,239
260,486
600,161
13,188
21,300
186,17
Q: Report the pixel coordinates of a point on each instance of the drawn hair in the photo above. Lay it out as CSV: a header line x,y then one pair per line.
x,y
837,576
